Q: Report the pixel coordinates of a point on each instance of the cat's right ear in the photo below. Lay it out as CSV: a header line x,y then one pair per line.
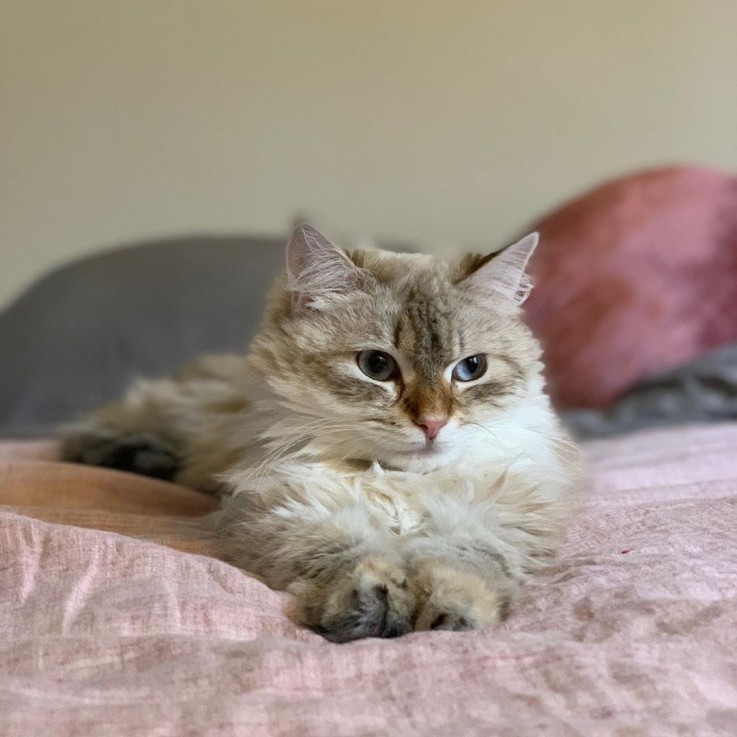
x,y
316,268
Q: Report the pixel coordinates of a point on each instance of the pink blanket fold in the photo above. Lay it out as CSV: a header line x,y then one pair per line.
x,y
632,631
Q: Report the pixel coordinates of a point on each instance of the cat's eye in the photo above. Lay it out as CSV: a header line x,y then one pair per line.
x,y
377,365
471,368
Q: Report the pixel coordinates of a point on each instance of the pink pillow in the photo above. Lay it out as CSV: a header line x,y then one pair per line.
x,y
634,278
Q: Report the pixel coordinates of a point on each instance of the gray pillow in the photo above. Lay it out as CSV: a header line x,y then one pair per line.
x,y
80,335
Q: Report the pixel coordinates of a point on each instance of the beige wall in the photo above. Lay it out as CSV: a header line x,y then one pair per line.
x,y
446,121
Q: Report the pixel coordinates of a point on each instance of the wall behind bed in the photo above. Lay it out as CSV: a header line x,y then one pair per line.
x,y
448,120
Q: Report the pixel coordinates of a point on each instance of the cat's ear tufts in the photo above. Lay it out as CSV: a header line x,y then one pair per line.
x,y
316,268
504,273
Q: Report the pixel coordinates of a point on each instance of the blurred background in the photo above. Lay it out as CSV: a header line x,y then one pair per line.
x,y
443,122
204,129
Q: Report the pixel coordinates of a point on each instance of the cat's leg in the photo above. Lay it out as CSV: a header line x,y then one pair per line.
x,y
460,584
354,577
472,555
167,428
344,570
137,433
367,596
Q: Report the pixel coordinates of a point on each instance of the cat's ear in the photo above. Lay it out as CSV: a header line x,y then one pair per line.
x,y
316,268
504,273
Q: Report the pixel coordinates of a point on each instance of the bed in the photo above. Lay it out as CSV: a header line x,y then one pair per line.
x,y
118,618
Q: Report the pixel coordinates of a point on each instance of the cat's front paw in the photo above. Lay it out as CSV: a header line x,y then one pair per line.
x,y
451,598
371,600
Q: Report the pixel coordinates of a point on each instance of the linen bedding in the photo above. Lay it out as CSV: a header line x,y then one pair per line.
x,y
116,619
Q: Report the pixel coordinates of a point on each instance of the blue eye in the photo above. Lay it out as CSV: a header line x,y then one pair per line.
x,y
471,368
377,365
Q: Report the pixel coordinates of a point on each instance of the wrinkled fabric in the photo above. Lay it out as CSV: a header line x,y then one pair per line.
x,y
704,390
631,631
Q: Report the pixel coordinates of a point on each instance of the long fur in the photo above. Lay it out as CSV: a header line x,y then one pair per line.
x,y
329,488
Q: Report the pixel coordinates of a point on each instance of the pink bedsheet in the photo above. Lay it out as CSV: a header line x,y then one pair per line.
x,y
633,631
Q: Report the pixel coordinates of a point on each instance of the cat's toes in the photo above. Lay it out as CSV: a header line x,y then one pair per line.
x,y
454,599
374,601
138,453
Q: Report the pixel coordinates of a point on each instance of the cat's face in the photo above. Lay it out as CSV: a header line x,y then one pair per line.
x,y
396,358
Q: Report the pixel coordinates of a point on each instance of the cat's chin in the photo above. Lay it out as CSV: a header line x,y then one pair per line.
x,y
425,460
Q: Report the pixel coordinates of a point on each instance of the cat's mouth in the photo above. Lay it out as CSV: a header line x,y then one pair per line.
x,y
427,448
422,457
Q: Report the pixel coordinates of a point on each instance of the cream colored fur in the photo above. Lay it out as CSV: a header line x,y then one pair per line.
x,y
330,490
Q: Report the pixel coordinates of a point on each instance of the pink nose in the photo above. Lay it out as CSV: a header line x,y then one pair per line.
x,y
431,426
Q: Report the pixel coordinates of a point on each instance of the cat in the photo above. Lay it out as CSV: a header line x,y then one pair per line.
x,y
385,451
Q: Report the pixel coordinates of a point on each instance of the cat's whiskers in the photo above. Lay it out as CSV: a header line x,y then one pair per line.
x,y
324,429
487,429
278,446
315,429
279,449
559,440
526,429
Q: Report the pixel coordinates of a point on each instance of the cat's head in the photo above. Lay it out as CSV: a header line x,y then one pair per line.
x,y
403,359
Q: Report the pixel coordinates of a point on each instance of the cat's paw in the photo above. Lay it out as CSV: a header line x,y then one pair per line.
x,y
372,600
451,598
138,453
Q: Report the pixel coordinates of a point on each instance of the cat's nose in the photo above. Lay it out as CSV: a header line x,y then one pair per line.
x,y
431,426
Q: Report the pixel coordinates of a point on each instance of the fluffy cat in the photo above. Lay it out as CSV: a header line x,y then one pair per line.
x,y
385,451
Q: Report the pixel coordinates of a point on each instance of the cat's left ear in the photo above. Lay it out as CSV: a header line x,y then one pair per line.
x,y
316,268
504,273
